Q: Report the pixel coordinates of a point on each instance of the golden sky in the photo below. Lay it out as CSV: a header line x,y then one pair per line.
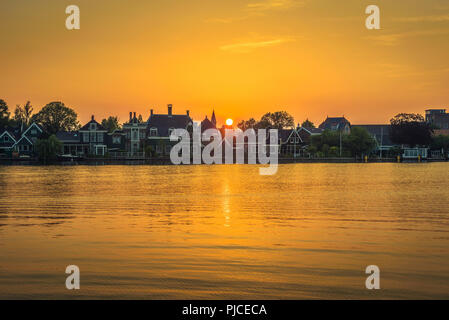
x,y
313,58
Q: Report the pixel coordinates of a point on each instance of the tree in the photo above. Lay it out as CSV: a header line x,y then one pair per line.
x,y
410,129
440,142
48,149
359,141
308,124
276,120
248,124
111,124
4,113
55,117
23,114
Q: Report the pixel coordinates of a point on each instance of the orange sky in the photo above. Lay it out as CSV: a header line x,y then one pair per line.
x,y
243,58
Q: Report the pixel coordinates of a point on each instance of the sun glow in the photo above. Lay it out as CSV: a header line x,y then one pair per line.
x,y
229,122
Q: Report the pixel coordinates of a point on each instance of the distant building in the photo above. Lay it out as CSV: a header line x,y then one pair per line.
x,y
134,134
336,124
209,124
160,127
438,117
20,140
294,141
94,135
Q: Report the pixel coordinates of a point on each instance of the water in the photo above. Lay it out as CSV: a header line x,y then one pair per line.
x,y
225,232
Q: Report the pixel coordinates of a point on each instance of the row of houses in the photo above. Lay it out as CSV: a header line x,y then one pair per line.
x,y
139,137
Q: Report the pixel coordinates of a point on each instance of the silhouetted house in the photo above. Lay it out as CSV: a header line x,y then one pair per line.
x,y
116,141
438,118
160,127
72,144
336,124
290,142
135,134
94,135
306,133
294,141
208,124
20,140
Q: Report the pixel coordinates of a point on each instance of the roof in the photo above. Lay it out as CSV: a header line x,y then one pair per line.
x,y
163,122
207,124
334,123
68,137
381,132
86,127
312,131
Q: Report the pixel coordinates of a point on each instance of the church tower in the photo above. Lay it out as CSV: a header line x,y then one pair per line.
x,y
213,120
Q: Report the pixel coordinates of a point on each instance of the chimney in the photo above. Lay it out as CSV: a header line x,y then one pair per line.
x,y
151,112
93,118
188,113
170,109
134,116
130,117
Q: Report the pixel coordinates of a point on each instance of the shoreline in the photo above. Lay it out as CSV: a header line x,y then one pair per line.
x,y
167,161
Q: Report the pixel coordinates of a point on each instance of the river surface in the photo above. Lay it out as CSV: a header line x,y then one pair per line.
x,y
224,231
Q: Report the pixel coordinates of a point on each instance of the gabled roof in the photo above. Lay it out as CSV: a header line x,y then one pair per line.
x,y
312,131
86,127
163,122
9,133
207,124
22,138
35,125
334,122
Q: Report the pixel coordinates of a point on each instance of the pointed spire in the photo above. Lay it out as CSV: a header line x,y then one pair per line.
x,y
213,120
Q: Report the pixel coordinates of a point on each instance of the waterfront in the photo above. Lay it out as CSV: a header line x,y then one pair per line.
x,y
205,232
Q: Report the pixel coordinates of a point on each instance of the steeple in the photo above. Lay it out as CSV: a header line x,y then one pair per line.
x,y
212,119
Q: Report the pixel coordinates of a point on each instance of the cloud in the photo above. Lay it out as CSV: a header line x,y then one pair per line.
x,y
260,8
434,18
250,46
394,39
274,5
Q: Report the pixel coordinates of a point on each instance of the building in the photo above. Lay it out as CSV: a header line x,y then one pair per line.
x,y
160,127
336,124
20,141
294,141
94,135
72,144
134,135
438,117
116,142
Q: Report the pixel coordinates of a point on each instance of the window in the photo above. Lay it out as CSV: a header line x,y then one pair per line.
x,y
135,133
158,149
93,126
100,137
142,134
93,137
116,139
33,132
170,131
167,148
85,136
153,132
6,138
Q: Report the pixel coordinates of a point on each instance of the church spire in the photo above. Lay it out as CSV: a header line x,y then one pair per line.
x,y
213,120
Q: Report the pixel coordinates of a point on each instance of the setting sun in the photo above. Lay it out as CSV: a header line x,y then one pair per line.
x,y
229,122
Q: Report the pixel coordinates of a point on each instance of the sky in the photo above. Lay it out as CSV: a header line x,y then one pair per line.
x,y
242,58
